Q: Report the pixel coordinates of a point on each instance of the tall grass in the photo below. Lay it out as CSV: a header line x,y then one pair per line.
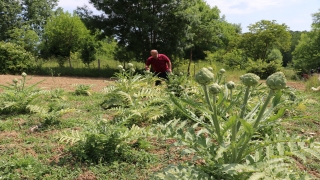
x,y
98,68
313,81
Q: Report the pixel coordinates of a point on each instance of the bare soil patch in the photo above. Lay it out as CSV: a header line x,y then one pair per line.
x,y
66,83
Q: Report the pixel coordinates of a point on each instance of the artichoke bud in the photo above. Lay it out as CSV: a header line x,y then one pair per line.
x,y
230,85
24,74
276,81
130,65
204,76
222,71
214,89
250,79
15,80
210,69
120,67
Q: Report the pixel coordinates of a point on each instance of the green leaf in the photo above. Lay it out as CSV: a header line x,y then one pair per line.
x,y
276,99
257,175
228,125
277,116
247,127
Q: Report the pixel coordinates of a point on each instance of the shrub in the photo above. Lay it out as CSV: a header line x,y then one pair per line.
x,y
14,59
262,68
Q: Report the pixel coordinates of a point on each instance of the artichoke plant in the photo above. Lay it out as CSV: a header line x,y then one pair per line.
x,y
204,77
276,81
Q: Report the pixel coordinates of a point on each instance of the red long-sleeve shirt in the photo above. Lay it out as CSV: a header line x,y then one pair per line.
x,y
160,64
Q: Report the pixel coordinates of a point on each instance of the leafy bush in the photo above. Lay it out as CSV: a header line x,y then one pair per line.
x,y
15,59
262,68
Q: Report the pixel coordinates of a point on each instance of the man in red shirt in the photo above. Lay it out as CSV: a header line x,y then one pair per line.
x,y
160,63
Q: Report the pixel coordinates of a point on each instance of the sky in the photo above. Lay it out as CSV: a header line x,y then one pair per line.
x,y
296,14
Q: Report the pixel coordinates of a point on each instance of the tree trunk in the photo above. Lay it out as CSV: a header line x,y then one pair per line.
x,y
188,73
70,65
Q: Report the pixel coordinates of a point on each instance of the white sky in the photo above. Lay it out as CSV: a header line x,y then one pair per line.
x,y
294,13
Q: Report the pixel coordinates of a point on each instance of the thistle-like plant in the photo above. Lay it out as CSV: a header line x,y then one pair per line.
x,y
225,134
82,89
17,96
49,115
107,143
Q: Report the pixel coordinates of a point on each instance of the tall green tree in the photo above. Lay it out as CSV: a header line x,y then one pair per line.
x,y
9,19
140,26
264,36
287,55
306,55
25,37
37,12
63,34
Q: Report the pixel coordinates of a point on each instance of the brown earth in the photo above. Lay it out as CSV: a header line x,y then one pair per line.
x,y
68,83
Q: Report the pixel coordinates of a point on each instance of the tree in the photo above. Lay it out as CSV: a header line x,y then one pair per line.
x,y
63,33
287,55
14,59
9,19
263,37
306,55
36,13
89,50
143,25
25,37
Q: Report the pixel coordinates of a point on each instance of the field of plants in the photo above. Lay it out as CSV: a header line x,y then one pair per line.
x,y
211,125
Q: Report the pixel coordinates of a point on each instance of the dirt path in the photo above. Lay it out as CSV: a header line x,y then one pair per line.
x,y
66,83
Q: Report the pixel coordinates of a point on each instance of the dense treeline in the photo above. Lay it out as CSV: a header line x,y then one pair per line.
x,y
185,30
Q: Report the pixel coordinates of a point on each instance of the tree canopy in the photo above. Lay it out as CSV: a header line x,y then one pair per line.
x,y
64,33
263,37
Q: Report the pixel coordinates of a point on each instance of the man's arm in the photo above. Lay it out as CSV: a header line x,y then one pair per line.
x,y
147,68
169,66
147,65
168,63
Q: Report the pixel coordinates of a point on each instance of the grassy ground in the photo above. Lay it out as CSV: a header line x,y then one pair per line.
x,y
31,149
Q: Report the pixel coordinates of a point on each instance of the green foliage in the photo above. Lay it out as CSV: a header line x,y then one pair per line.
x,y
133,100
312,82
223,139
263,37
234,59
177,83
9,10
108,143
17,97
306,53
262,68
15,59
89,50
51,115
37,13
26,38
122,55
63,34
82,89
169,32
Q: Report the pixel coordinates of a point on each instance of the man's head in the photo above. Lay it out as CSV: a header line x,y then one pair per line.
x,y
154,53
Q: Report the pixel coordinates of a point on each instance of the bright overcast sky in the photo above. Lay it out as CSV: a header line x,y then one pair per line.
x,y
294,13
